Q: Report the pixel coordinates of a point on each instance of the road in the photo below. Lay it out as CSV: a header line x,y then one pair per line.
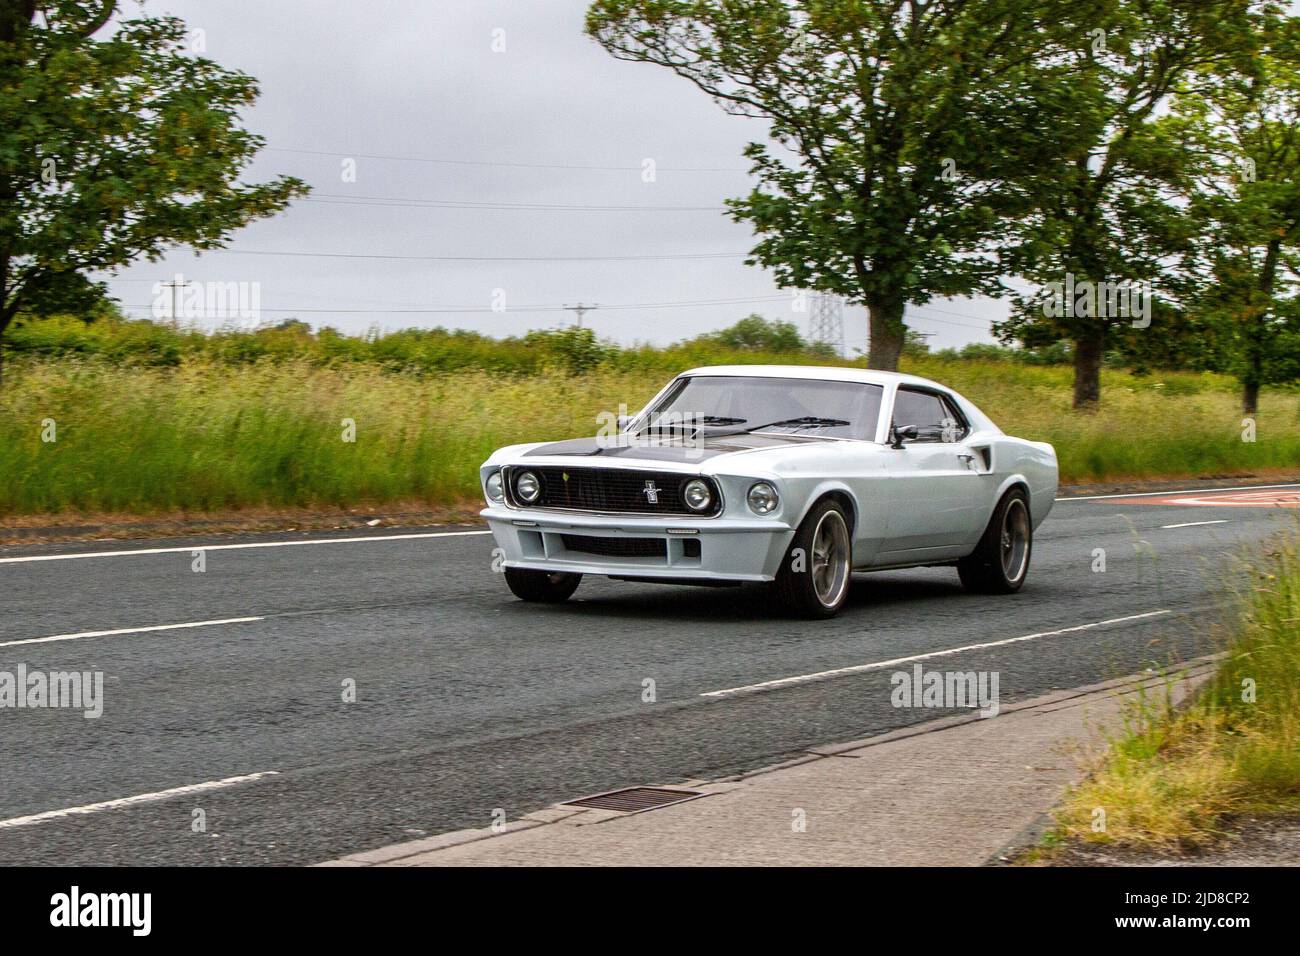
x,y
469,702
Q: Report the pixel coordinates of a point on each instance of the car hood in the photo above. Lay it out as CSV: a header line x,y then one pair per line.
x,y
677,450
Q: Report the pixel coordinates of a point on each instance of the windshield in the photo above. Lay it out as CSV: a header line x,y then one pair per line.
x,y
801,406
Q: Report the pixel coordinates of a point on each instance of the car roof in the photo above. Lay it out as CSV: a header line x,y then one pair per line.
x,y
827,373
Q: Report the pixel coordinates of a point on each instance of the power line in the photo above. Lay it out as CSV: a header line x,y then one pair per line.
x,y
334,199
451,309
351,255
338,154
963,325
436,310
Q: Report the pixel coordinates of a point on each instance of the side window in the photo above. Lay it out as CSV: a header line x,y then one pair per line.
x,y
955,425
935,418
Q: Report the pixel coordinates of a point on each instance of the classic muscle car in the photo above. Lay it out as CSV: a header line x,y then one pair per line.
x,y
790,475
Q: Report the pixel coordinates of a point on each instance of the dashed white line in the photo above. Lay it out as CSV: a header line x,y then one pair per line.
x,y
235,547
1193,524
131,630
876,665
1175,491
131,801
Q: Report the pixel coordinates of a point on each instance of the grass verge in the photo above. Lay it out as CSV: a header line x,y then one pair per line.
x,y
211,437
1174,778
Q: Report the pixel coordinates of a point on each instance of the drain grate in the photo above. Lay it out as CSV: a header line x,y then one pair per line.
x,y
636,799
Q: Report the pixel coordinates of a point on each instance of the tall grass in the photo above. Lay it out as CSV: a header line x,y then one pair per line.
x,y
207,435
1171,780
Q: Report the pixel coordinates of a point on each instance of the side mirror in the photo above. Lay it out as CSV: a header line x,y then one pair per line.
x,y
623,422
901,434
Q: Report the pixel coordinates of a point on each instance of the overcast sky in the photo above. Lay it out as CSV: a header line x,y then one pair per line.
x,y
414,93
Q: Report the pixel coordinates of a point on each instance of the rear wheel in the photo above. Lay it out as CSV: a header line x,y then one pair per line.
x,y
814,577
548,587
1000,562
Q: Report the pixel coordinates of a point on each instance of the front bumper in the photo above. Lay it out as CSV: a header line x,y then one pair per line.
x,y
729,549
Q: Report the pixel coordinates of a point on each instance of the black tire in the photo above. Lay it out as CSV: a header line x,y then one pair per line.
x,y
548,587
807,585
1000,563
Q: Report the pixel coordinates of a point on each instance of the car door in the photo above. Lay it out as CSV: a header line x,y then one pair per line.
x,y
936,479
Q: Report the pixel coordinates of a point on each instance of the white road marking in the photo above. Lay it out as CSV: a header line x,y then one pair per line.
x,y
1175,491
131,630
236,547
461,534
858,668
1193,524
131,801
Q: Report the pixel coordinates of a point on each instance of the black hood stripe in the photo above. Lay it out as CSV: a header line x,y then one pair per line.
x,y
675,450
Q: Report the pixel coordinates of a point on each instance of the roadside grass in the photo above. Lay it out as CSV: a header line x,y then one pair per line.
x,y
1174,778
207,436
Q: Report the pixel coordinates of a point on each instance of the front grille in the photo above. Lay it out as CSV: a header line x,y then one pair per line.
x,y
613,489
617,547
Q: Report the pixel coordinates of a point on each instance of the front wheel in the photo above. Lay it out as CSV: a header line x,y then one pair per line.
x,y
548,587
814,577
1000,562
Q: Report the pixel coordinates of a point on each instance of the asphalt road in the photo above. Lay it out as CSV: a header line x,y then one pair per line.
x,y
468,701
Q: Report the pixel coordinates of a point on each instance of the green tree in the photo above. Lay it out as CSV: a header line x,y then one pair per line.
x,y
112,149
898,130
916,345
575,349
754,333
1106,202
1246,199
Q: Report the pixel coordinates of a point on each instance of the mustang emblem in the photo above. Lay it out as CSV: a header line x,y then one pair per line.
x,y
651,493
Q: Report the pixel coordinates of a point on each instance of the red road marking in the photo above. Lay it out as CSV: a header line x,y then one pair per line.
x,y
1271,498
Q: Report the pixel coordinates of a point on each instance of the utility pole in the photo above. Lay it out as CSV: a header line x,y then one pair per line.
x,y
580,310
826,324
175,285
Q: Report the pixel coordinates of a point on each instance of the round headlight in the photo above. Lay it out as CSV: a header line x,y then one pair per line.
x,y
697,494
762,498
496,491
527,487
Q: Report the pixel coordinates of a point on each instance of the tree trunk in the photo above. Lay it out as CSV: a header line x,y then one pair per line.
x,y
1249,397
1257,332
887,334
1088,350
4,324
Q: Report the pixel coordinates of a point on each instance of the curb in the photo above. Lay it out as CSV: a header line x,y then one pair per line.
x,y
577,816
1030,835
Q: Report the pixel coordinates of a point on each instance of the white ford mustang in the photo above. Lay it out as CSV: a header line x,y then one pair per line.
x,y
791,475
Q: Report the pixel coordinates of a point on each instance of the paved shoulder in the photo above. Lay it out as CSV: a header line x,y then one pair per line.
x,y
953,792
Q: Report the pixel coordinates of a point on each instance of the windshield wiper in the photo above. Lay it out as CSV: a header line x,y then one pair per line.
x,y
807,421
653,425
